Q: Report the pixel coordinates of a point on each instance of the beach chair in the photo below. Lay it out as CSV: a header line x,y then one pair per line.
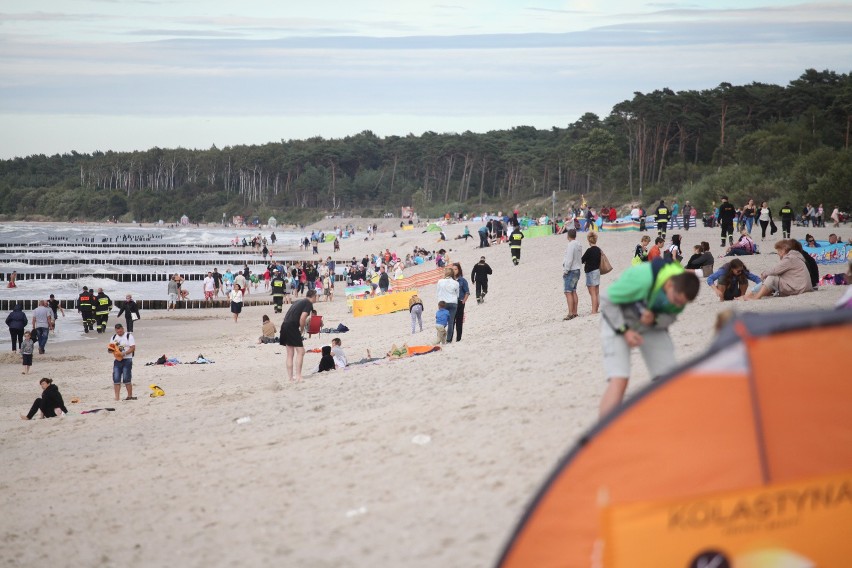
x,y
315,325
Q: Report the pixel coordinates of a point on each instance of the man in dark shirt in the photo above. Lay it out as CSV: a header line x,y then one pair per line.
x,y
217,282
787,215
479,276
662,219
291,333
384,281
726,220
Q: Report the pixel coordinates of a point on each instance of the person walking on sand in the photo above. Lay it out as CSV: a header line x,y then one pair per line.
x,y
515,245
55,307
448,291
129,309
42,324
726,220
27,348
17,321
637,311
86,307
295,322
479,276
415,310
122,367
49,403
236,298
571,264
103,304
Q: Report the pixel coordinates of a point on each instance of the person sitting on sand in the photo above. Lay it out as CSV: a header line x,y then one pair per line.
x,y
268,332
813,268
50,404
731,280
702,261
326,361
789,277
338,353
641,252
745,246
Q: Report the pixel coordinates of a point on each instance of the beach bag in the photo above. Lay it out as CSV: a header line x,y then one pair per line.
x,y
606,267
773,228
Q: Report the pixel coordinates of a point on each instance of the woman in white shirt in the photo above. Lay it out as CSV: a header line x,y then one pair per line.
x,y
765,218
236,301
448,291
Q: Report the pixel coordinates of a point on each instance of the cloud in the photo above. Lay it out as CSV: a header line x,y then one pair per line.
x,y
52,17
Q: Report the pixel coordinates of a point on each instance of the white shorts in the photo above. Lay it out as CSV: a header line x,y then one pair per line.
x,y
657,350
173,298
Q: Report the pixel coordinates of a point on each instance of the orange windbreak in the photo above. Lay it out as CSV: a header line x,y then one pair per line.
x,y
692,435
804,399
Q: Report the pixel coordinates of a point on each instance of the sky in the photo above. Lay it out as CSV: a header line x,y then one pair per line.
x,y
100,75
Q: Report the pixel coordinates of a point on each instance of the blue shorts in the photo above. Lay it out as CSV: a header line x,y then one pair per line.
x,y
570,279
122,371
593,278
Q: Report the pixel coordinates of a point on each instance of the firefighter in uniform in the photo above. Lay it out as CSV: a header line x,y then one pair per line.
x,y
278,284
515,245
102,307
726,220
787,216
662,219
85,305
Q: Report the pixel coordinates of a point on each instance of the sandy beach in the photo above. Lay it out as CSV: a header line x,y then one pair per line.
x,y
333,471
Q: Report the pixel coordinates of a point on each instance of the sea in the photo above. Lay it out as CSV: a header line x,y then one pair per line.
x,y
44,241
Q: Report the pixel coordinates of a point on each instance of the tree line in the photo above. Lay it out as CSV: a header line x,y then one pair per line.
x,y
760,141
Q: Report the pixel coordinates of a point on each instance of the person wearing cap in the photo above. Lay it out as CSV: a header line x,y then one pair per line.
x,y
129,309
479,276
726,220
122,368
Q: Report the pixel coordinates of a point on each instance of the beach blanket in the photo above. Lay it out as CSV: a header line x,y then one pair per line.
x,y
416,281
94,410
406,351
339,329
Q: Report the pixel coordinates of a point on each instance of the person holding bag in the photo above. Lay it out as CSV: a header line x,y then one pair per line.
x,y
591,260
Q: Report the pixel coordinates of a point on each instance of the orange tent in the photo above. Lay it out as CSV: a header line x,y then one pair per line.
x,y
741,458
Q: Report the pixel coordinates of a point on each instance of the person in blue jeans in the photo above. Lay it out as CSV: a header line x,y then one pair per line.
x,y
571,265
464,294
42,324
448,292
